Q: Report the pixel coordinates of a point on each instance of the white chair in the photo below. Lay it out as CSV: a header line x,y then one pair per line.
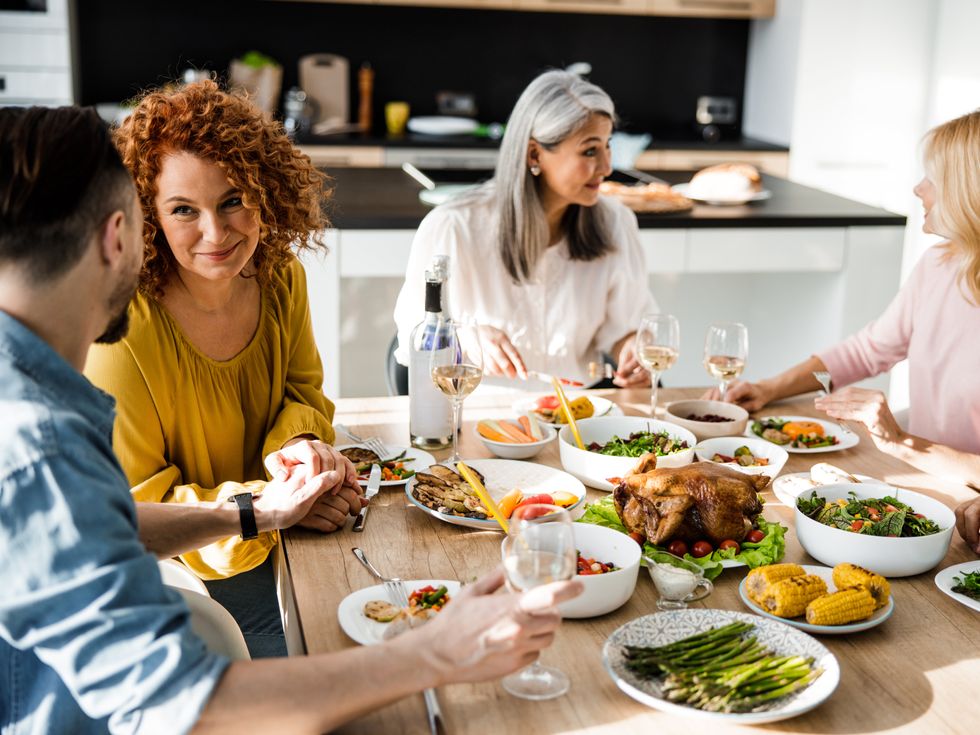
x,y
209,620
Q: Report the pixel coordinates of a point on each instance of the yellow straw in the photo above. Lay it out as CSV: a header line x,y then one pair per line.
x,y
568,412
482,494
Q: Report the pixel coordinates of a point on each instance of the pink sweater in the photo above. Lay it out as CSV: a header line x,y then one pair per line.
x,y
932,323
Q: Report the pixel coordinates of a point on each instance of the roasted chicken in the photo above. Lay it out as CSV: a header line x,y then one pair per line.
x,y
697,501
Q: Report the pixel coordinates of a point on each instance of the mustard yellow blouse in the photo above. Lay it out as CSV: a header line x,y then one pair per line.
x,y
190,428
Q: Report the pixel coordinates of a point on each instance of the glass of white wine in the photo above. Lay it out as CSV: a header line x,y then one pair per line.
x,y
457,368
726,347
539,548
658,343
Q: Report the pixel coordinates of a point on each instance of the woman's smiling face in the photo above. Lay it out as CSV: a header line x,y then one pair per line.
x,y
210,232
572,170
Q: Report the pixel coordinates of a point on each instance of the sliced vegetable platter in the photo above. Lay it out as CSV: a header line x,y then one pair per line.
x,y
844,439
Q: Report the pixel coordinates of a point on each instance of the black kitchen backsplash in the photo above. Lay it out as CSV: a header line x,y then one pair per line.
x,y
654,68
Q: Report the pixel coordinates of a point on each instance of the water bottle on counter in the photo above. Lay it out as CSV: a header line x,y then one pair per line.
x,y
429,413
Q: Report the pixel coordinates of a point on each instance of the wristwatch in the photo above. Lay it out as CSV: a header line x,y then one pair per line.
x,y
246,515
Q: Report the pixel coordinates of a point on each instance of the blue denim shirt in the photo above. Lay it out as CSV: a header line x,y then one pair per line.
x,y
90,638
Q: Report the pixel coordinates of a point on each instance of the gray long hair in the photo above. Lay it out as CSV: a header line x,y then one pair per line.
x,y
552,107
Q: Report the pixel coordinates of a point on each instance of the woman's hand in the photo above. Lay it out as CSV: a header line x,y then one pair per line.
x,y
312,457
868,407
629,372
968,523
329,512
500,357
750,396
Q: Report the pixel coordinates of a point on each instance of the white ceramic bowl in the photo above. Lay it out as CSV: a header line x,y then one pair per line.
x,y
891,557
514,450
594,469
727,445
604,592
677,412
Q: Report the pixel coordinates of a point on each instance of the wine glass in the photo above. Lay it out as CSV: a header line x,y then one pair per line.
x,y
457,368
539,548
658,343
726,347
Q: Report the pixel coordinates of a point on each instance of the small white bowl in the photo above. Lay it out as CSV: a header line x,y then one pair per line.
x,y
678,411
595,469
727,445
604,592
890,557
515,450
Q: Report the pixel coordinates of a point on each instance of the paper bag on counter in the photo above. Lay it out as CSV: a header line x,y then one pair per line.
x,y
261,83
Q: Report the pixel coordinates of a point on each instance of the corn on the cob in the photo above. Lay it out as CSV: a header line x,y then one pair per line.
x,y
789,597
761,578
850,575
843,606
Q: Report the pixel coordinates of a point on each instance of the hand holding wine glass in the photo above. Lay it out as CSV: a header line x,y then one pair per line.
x,y
658,342
457,369
726,347
539,549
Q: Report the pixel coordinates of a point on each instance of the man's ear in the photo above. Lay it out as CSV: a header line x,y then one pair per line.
x,y
111,245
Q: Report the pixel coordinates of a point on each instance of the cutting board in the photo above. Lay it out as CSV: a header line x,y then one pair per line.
x,y
326,80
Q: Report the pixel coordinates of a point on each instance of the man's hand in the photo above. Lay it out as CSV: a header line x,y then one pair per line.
x,y
500,357
870,407
283,503
481,635
750,396
311,457
968,523
629,372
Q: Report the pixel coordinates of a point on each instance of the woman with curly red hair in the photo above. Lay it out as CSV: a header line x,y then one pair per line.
x,y
220,369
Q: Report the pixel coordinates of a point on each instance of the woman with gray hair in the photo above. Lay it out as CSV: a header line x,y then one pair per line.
x,y
551,271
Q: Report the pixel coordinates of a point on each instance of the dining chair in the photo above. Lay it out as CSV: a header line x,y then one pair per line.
x,y
396,374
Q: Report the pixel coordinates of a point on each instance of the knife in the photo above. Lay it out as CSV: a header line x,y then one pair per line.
x,y
374,484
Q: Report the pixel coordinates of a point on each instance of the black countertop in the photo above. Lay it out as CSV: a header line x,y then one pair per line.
x,y
387,199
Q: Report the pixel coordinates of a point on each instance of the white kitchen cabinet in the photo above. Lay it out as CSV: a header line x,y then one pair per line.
x,y
35,57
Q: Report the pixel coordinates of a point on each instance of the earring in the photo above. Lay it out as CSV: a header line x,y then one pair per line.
x,y
535,170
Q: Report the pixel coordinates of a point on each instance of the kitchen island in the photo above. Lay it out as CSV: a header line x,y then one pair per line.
x,y
802,269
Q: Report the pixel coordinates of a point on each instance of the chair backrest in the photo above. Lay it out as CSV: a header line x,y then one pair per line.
x,y
175,574
396,374
215,626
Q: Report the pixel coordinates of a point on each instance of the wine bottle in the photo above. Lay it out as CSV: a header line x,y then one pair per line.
x,y
430,421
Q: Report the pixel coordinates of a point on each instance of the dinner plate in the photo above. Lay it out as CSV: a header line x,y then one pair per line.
x,y
758,196
502,476
421,460
442,125
789,487
847,439
827,574
662,628
359,627
601,407
944,581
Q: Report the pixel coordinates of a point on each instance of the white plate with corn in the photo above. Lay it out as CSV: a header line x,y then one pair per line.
x,y
818,599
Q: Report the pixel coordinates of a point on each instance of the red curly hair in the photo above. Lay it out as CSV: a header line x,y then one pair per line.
x,y
278,183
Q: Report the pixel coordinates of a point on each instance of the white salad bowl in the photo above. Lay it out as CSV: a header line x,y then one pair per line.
x,y
603,592
727,445
678,411
595,469
890,557
516,450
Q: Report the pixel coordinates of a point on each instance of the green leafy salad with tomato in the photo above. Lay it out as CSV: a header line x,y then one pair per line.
x,y
968,584
871,516
767,549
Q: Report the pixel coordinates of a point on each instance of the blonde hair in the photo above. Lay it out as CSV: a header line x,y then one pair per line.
x,y
952,163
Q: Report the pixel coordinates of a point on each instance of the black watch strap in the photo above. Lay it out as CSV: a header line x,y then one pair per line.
x,y
246,515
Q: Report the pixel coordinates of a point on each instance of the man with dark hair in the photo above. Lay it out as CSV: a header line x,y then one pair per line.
x,y
90,639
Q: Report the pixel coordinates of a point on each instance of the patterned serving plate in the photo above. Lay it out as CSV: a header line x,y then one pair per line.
x,y
662,628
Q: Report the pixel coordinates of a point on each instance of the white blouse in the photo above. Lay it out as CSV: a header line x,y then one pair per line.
x,y
561,319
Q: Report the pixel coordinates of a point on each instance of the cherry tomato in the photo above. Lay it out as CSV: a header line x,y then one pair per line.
x,y
548,403
539,499
677,547
638,537
755,536
857,525
701,548
730,544
889,508
528,512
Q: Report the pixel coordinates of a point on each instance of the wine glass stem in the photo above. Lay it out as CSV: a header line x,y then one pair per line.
x,y
724,388
457,419
654,384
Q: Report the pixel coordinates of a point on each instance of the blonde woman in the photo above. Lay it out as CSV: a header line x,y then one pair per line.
x,y
933,321
552,271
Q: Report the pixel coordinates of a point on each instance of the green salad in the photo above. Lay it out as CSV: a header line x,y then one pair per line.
x,y
968,584
767,551
871,516
640,443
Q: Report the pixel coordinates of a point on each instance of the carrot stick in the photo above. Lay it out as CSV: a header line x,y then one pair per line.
x,y
513,431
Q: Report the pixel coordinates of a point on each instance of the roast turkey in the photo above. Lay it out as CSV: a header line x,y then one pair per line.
x,y
704,500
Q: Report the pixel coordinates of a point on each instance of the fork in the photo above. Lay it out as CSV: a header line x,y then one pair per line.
x,y
398,595
823,377
373,443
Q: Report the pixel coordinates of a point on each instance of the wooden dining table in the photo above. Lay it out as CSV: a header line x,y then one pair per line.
x,y
919,672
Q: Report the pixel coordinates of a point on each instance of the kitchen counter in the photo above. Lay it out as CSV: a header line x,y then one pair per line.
x,y
386,198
